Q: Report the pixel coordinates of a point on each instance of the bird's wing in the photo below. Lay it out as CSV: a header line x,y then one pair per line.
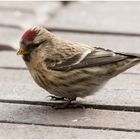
x,y
89,58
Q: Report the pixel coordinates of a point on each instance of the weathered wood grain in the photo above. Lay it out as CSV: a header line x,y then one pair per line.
x,y
33,6
39,132
99,16
10,36
26,14
11,59
80,118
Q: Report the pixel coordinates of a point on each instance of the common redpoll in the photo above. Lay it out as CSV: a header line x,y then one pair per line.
x,y
68,69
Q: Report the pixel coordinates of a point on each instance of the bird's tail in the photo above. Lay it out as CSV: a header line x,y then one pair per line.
x,y
131,60
130,55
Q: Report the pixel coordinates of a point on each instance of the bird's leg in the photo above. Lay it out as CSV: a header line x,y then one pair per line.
x,y
65,105
57,98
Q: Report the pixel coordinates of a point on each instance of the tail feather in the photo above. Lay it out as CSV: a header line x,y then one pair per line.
x,y
131,60
131,55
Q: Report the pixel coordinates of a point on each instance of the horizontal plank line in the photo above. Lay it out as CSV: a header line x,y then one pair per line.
x,y
75,105
81,31
29,11
86,31
11,26
72,126
13,68
5,47
24,68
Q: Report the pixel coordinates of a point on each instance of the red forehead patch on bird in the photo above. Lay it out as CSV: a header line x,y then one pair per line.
x,y
29,35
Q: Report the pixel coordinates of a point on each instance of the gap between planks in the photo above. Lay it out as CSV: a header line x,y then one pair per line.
x,y
85,31
75,105
73,30
77,127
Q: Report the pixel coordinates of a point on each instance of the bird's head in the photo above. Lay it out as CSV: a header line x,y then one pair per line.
x,y
32,39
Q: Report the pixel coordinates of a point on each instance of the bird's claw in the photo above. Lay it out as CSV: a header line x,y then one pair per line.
x,y
63,105
68,105
55,98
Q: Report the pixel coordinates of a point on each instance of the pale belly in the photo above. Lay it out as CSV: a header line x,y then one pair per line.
x,y
68,84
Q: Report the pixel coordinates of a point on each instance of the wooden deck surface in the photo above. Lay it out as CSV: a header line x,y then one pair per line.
x,y
113,112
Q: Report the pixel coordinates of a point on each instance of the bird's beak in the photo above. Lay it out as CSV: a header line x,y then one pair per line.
x,y
22,52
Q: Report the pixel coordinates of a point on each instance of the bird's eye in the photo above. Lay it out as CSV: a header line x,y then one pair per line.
x,y
36,45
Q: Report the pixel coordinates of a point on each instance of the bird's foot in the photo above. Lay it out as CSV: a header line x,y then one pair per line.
x,y
64,105
56,98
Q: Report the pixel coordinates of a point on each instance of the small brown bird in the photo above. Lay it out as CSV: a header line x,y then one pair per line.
x,y
67,69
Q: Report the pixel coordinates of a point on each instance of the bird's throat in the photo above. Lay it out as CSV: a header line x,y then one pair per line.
x,y
27,57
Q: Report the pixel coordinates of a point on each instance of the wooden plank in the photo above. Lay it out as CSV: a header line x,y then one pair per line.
x,y
122,90
99,16
16,17
30,5
79,118
31,131
13,60
26,14
116,43
10,36
18,85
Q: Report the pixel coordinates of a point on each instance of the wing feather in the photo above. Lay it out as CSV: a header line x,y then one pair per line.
x,y
96,57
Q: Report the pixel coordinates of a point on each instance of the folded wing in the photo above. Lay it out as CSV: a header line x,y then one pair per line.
x,y
89,58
